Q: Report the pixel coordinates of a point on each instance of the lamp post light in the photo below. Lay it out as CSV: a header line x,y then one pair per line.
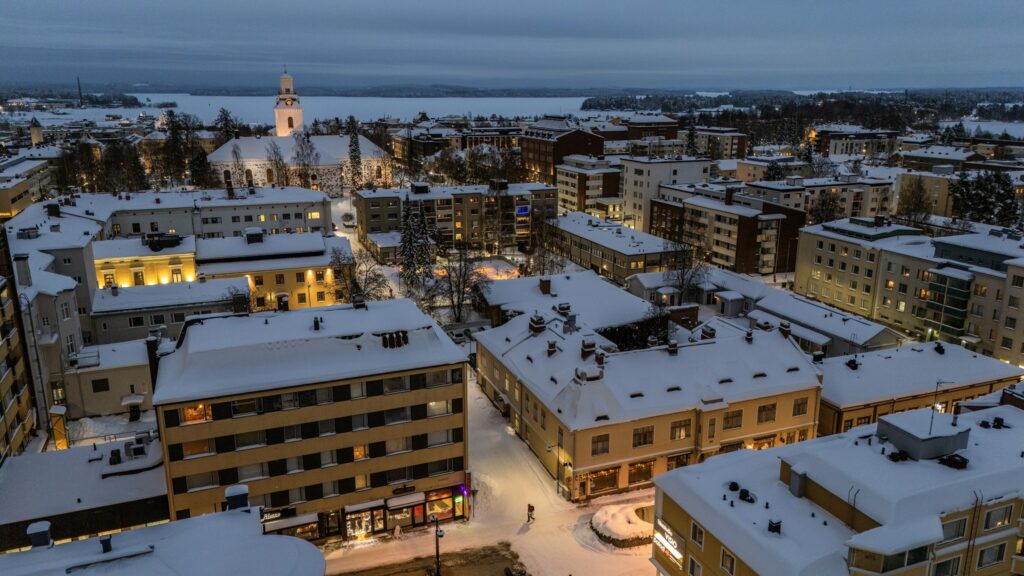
x,y
438,534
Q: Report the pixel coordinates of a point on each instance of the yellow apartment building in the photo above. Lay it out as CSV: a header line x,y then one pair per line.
x,y
346,420
602,421
144,261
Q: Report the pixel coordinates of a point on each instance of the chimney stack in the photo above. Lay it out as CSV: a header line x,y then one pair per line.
x,y
114,289
600,358
707,333
587,348
785,329
673,347
237,496
202,277
552,347
749,337
728,196
879,221
545,286
24,272
358,302
106,544
39,534
536,324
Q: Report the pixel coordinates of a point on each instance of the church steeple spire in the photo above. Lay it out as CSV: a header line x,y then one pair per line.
x,y
288,110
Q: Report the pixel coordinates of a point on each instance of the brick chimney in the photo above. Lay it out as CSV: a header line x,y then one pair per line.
x,y
545,286
587,348
24,271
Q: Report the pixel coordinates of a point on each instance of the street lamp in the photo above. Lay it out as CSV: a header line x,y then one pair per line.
x,y
438,534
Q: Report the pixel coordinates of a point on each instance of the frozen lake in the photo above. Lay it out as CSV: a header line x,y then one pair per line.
x,y
1015,129
260,109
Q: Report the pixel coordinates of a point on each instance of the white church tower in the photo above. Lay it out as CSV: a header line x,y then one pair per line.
x,y
288,110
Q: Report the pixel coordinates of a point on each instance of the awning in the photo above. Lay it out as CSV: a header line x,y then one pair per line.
x,y
292,522
406,500
364,505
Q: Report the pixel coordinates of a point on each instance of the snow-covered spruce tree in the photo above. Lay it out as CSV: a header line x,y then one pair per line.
x,y
406,247
691,141
774,172
355,157
1005,206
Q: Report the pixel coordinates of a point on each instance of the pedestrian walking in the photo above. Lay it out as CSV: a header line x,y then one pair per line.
x,y
529,513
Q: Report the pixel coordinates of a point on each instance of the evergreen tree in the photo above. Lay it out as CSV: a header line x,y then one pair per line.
x,y
225,125
407,251
201,171
355,158
1005,205
774,172
691,141
173,153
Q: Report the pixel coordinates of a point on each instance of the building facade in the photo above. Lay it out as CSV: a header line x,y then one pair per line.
x,y
581,180
642,175
608,248
545,144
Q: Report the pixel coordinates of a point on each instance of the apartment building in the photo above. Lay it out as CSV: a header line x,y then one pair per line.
x,y
859,389
608,248
546,143
17,417
652,146
962,288
927,158
146,260
346,420
483,216
134,312
850,139
919,493
642,175
602,421
936,186
720,142
753,168
858,195
729,230
581,180
107,379
23,178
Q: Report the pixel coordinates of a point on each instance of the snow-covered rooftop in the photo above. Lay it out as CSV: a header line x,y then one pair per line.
x,y
611,235
807,545
443,192
164,296
220,544
643,383
276,252
820,317
332,149
237,354
109,356
908,371
941,153
135,248
38,486
596,301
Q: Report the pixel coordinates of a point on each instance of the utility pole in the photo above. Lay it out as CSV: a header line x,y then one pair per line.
x,y
438,534
935,400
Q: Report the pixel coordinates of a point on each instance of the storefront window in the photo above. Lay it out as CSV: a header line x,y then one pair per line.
x,y
603,480
439,503
360,524
641,472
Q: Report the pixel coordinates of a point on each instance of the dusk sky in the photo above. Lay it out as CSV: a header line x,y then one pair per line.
x,y
797,44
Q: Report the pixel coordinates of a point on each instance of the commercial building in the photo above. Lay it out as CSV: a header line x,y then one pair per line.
x,y
581,180
919,492
850,139
345,420
600,420
483,216
642,175
83,491
719,142
608,248
727,229
546,143
961,288
861,388
231,542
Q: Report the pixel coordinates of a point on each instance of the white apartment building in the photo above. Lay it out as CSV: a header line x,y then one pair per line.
x,y
582,180
642,175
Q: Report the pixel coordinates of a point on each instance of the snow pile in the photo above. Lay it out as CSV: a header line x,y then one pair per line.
x,y
619,524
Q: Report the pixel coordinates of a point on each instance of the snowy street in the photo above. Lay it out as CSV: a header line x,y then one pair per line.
x,y
508,477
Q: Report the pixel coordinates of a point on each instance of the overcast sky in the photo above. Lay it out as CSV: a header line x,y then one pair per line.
x,y
797,44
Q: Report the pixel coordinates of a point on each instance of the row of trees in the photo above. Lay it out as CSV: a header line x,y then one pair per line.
x,y
989,198
477,165
113,168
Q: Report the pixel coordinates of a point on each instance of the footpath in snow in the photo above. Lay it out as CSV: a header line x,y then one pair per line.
x,y
508,477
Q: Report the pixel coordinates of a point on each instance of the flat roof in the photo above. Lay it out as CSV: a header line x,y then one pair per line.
x,y
443,192
597,302
110,356
47,484
222,544
165,296
211,250
238,354
908,371
612,235
136,248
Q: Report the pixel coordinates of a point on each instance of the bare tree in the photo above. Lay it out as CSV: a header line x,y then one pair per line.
x,y
357,273
686,268
237,166
822,167
458,278
826,209
540,260
306,159
277,164
915,205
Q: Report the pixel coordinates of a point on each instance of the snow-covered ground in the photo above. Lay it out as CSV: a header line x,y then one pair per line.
x,y
508,477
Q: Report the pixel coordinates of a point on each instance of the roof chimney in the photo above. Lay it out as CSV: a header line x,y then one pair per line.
x,y
202,277
545,285
728,196
552,347
106,544
24,272
599,358
785,329
316,323
39,534
673,347
358,301
749,337
536,324
707,333
587,348
114,289
237,496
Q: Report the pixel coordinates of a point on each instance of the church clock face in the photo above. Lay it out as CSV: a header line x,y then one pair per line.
x,y
289,101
